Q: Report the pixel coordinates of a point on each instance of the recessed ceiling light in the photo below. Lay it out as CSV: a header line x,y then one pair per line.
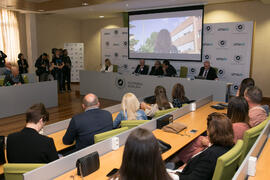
x,y
84,4
41,10
101,16
126,5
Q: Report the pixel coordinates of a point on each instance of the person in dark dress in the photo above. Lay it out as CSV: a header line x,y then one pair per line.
x,y
23,64
43,67
156,69
66,70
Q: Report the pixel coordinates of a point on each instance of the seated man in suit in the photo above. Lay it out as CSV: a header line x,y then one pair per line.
x,y
157,69
14,77
168,69
28,146
141,68
207,72
84,126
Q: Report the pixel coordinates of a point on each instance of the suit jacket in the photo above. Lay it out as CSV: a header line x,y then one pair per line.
x,y
84,126
203,165
2,59
170,71
156,72
143,71
211,75
21,68
28,146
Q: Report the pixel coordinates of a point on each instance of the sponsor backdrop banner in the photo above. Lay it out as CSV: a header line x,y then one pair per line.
x,y
226,45
76,54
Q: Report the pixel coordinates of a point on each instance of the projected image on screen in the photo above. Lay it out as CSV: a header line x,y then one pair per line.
x,y
172,35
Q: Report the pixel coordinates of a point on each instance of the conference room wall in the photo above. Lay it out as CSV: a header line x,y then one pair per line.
x,y
55,30
249,11
91,35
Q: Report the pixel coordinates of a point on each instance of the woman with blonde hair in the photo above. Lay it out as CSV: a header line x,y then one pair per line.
x,y
130,110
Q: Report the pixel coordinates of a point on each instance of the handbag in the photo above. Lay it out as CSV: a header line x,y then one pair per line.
x,y
174,127
88,164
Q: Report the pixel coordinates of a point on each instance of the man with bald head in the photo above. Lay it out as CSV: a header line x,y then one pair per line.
x,y
207,72
14,78
84,126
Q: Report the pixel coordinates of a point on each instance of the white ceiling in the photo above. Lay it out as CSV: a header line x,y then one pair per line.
x,y
37,1
113,9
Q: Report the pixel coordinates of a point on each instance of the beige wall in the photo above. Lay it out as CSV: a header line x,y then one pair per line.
x,y
260,14
90,33
54,30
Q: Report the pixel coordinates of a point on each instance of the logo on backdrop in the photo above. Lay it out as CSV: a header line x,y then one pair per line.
x,y
235,87
222,43
208,44
125,43
240,27
207,57
237,74
221,59
221,72
107,43
223,29
192,70
116,32
208,28
239,44
238,59
120,82
107,33
116,54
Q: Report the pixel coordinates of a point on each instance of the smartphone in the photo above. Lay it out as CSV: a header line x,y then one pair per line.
x,y
112,172
193,131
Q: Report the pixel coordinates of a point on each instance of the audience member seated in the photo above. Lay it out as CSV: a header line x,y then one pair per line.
x,y
28,146
2,62
141,68
202,165
238,113
142,159
178,95
248,82
130,110
23,64
84,126
168,69
43,67
257,113
157,69
7,69
14,78
107,67
207,72
162,102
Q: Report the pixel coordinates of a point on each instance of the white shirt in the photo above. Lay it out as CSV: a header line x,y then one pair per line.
x,y
110,69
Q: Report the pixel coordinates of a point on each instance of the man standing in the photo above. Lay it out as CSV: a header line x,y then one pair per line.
x,y
141,68
28,146
207,72
66,70
84,126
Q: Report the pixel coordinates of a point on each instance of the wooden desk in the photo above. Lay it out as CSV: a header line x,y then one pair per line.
x,y
262,171
194,120
2,169
58,136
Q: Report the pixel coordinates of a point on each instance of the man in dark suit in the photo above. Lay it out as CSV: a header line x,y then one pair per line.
x,y
156,69
28,146
168,69
141,68
208,72
84,126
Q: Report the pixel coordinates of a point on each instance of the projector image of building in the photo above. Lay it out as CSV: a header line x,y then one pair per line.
x,y
187,36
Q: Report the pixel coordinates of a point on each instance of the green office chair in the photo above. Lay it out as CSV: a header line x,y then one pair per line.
x,y
183,72
1,82
227,164
132,123
15,171
25,79
162,112
250,137
115,68
216,69
106,135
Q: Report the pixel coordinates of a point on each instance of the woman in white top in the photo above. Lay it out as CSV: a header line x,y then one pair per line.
x,y
107,67
162,102
142,159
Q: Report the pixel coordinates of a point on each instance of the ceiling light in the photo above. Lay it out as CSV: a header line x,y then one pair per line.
x,y
101,16
126,5
84,4
41,10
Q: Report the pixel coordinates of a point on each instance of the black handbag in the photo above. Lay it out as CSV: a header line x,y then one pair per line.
x,y
2,150
164,120
88,164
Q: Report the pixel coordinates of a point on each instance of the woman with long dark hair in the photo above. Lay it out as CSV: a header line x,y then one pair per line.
x,y
248,82
178,95
142,159
162,102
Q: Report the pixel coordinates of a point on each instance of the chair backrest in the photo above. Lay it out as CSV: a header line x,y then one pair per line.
x,y
115,68
162,112
227,164
108,134
1,82
183,71
216,69
25,79
250,137
15,171
132,123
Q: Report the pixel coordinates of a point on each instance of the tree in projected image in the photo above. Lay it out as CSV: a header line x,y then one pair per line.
x,y
132,40
148,46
